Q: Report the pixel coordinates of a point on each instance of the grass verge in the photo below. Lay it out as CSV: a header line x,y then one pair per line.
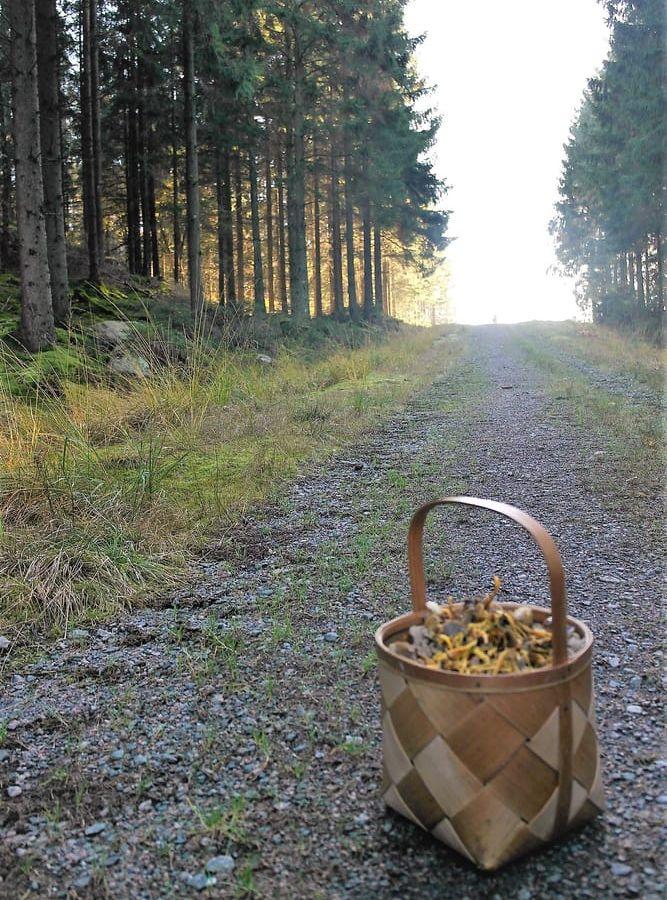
x,y
107,488
628,422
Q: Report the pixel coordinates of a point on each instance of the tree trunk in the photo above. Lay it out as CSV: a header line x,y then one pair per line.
x,y
647,279
37,322
349,235
336,248
152,213
191,164
296,194
640,278
258,272
175,203
282,251
368,260
220,221
623,271
87,146
143,173
269,230
660,285
49,118
377,253
96,126
228,229
132,177
240,242
318,235
6,180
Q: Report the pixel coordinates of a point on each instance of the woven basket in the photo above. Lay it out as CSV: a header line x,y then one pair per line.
x,y
492,765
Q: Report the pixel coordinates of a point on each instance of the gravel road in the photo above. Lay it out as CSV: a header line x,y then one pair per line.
x,y
226,742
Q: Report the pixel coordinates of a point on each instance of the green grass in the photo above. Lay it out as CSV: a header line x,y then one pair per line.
x,y
630,430
108,487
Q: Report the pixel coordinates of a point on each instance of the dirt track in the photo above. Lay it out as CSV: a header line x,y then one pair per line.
x,y
240,721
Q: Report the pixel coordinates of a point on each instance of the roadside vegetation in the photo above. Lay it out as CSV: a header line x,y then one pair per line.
x,y
109,483
612,383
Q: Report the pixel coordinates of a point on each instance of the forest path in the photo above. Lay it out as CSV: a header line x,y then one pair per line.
x,y
238,726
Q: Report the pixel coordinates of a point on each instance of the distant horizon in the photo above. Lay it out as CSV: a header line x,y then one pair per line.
x,y
507,94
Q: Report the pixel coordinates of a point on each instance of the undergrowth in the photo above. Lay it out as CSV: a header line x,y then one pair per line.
x,y
107,486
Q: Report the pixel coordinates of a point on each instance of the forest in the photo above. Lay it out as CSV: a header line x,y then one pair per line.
x,y
269,156
610,219
213,216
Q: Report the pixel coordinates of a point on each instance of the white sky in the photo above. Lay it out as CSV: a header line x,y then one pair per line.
x,y
509,76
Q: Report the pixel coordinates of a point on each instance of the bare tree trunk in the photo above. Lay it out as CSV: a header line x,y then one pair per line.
x,y
96,125
640,278
175,202
37,322
623,271
269,230
368,260
132,178
87,146
49,118
191,164
349,235
258,272
220,223
5,179
296,191
152,213
318,235
336,249
228,229
240,241
647,279
660,277
282,250
143,174
377,253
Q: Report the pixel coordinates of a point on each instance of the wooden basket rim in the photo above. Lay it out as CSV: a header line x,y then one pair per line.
x,y
510,682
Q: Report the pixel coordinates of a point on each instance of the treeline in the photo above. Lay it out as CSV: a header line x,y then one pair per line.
x,y
610,222
269,155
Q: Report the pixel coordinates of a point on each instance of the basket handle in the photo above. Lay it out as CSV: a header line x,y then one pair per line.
x,y
537,531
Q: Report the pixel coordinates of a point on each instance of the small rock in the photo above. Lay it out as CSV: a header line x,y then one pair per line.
x,y
95,828
140,759
4,643
331,636
78,634
614,661
145,805
4,755
620,869
220,864
200,882
14,791
129,364
264,359
117,754
634,709
82,881
635,682
111,333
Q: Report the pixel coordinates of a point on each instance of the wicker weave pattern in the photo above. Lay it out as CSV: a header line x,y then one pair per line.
x,y
480,771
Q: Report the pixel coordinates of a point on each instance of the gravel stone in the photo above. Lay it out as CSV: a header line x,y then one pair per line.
x,y
220,865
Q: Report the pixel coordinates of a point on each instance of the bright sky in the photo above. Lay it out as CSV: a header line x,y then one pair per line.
x,y
509,76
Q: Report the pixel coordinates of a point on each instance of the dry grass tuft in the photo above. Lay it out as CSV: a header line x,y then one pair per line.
x,y
107,488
